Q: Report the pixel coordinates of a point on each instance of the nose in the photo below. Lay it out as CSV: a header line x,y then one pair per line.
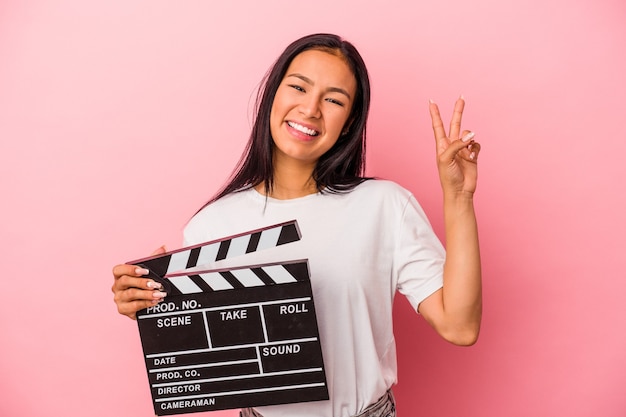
x,y
310,107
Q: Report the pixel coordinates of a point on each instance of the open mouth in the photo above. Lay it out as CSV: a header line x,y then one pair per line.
x,y
303,129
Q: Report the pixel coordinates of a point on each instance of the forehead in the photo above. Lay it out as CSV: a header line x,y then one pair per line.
x,y
326,68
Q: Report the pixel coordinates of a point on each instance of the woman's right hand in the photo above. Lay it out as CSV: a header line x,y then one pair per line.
x,y
132,292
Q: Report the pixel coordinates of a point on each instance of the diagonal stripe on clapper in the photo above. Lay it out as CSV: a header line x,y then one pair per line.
x,y
177,261
240,277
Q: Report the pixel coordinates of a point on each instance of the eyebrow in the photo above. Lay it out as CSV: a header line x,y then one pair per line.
x,y
310,81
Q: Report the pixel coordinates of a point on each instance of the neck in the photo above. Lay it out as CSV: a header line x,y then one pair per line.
x,y
291,181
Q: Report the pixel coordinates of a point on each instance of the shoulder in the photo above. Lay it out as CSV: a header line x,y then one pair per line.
x,y
227,207
383,188
390,197
382,197
227,202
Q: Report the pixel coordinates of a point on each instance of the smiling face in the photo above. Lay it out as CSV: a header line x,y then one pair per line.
x,y
311,107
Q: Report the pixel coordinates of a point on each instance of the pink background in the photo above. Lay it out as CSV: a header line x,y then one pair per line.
x,y
118,119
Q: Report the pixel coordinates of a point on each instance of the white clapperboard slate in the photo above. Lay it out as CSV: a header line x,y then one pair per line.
x,y
232,338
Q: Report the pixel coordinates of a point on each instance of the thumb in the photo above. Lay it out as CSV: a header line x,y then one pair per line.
x,y
159,251
459,147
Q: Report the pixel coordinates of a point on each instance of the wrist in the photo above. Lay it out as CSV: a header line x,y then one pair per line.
x,y
458,197
461,203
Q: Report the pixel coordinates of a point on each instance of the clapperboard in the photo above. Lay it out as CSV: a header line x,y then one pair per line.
x,y
233,337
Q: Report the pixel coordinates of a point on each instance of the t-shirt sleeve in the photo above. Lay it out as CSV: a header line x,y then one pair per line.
x,y
419,256
195,231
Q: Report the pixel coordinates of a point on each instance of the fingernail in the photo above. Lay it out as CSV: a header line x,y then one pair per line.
x,y
159,294
468,137
156,301
462,97
431,101
141,271
153,284
473,155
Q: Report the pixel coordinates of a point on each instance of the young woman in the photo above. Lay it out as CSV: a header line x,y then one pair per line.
x,y
364,238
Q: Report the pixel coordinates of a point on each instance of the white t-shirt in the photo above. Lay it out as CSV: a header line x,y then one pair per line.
x,y
362,246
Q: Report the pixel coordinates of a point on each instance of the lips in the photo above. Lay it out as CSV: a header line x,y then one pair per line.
x,y
303,129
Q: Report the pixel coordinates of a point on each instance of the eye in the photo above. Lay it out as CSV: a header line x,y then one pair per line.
x,y
335,101
297,87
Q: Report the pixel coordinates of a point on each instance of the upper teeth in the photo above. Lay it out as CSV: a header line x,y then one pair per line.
x,y
302,129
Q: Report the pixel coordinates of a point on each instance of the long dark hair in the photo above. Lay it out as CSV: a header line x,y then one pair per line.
x,y
341,168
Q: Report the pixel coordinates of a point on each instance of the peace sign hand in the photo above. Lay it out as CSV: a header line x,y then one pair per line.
x,y
456,154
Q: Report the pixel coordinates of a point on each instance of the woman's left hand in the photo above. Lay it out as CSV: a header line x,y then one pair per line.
x,y
457,153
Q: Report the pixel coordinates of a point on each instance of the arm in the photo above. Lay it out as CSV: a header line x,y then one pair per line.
x,y
455,311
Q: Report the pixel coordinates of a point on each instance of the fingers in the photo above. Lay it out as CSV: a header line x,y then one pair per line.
x,y
457,115
132,292
435,116
131,273
130,270
455,123
130,309
132,295
474,149
126,281
467,136
465,148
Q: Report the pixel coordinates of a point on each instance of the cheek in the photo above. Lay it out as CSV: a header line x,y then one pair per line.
x,y
339,123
